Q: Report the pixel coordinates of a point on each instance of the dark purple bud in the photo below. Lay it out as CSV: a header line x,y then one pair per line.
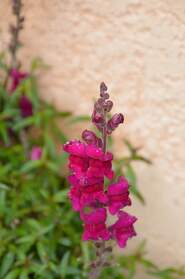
x,y
98,105
103,88
90,138
97,117
103,91
16,78
108,105
26,107
98,120
113,123
106,96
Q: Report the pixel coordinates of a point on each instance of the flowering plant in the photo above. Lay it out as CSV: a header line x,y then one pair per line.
x,y
40,236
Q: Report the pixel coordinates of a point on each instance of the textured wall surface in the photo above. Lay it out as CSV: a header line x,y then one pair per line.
x,y
138,49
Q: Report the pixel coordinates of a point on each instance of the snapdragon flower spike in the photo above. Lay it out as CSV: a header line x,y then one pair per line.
x,y
90,163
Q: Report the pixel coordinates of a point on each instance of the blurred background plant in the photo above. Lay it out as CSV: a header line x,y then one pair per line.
x,y
40,236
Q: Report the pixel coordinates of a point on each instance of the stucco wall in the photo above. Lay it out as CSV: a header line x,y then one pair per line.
x,y
138,49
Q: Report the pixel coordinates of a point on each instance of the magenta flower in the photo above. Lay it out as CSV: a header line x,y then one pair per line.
x,y
86,191
26,107
123,229
118,195
88,160
94,225
36,153
16,78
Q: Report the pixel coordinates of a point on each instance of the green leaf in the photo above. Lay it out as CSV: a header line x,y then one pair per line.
x,y
2,201
80,118
37,64
45,230
34,224
86,254
58,133
13,274
132,179
64,264
141,158
24,122
129,146
4,133
24,274
54,167
6,264
31,165
41,249
63,114
26,239
3,186
61,196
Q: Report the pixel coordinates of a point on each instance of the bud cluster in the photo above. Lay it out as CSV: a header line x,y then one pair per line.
x,y
102,106
15,29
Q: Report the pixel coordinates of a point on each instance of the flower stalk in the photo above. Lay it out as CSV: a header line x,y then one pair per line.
x,y
15,32
14,76
90,163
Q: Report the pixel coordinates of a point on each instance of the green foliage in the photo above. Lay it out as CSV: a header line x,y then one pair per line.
x,y
124,166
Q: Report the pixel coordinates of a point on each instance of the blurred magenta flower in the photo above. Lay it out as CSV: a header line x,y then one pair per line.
x,y
26,107
16,77
36,153
123,229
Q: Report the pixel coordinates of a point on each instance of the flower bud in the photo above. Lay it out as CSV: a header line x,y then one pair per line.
x,y
113,123
90,138
103,91
25,106
97,117
36,153
103,88
108,105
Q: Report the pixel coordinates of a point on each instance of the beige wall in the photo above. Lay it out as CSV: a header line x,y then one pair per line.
x,y
138,49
